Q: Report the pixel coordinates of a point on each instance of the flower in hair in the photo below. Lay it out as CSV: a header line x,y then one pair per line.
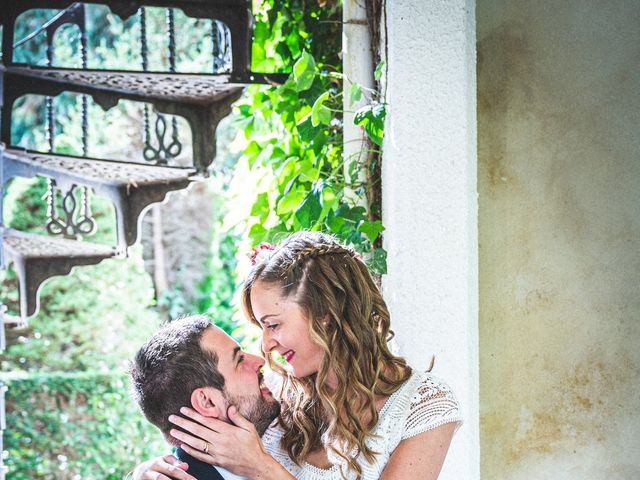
x,y
256,252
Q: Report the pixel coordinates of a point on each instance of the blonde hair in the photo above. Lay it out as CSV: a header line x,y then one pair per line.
x,y
329,282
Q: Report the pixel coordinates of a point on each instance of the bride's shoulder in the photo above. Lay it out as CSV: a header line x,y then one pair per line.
x,y
432,404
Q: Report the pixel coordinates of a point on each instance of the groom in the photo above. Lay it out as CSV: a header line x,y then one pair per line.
x,y
191,362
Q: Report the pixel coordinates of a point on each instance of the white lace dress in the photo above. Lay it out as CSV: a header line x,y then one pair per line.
x,y
424,402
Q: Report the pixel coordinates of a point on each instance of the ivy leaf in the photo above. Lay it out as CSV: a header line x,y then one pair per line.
x,y
306,129
371,117
372,230
260,207
310,208
289,201
252,151
293,42
377,74
308,173
378,261
304,71
355,93
319,113
257,233
334,222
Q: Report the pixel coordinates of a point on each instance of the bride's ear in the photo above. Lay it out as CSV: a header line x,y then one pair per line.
x,y
207,401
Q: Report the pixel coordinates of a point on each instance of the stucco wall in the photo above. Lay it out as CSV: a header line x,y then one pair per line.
x,y
559,231
429,201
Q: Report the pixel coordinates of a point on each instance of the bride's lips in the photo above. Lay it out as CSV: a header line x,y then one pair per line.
x,y
288,355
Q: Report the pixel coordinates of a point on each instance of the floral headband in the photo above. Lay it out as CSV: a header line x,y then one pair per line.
x,y
259,251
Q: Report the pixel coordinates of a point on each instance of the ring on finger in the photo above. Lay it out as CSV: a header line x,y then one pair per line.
x,y
206,447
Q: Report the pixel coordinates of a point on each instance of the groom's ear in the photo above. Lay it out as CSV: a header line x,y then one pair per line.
x,y
208,401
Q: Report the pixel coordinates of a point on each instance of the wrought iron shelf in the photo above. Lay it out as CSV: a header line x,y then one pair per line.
x,y
203,100
109,86
236,14
36,258
131,187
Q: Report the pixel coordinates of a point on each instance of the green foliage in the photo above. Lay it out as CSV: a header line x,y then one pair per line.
x,y
93,319
69,426
85,316
294,131
218,288
73,425
371,117
25,208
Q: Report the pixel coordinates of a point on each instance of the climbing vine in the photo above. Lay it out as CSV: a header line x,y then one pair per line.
x,y
294,131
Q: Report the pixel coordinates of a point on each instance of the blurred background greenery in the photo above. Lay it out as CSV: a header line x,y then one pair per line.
x,y
69,410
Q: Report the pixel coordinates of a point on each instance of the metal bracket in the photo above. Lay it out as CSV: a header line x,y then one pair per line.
x,y
3,427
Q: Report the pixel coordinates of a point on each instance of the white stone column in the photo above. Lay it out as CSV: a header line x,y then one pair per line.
x,y
358,67
429,197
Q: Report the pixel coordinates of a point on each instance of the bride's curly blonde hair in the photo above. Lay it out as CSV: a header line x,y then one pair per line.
x,y
329,281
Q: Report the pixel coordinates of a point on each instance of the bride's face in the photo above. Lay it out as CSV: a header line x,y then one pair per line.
x,y
285,329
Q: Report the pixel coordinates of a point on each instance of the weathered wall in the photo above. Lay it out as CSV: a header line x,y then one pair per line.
x,y
559,184
429,201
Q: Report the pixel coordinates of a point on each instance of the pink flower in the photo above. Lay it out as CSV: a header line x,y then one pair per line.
x,y
256,251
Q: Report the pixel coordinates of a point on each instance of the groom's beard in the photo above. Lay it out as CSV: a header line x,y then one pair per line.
x,y
255,408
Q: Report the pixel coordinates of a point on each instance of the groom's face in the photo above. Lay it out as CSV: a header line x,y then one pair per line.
x,y
244,386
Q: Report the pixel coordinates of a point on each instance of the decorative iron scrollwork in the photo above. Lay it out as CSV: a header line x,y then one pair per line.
x,y
161,154
3,343
75,221
164,152
84,224
221,47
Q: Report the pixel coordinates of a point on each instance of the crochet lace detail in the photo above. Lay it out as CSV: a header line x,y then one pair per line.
x,y
423,403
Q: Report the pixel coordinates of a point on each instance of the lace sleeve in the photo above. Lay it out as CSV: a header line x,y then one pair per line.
x,y
433,404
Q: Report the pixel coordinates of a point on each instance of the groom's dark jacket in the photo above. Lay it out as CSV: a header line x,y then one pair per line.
x,y
198,469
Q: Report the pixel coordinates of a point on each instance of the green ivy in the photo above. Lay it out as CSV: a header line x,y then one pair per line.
x,y
294,131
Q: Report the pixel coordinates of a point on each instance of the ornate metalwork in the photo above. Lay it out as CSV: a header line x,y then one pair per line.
x,y
221,47
171,38
132,187
3,345
3,424
74,223
164,151
175,144
84,224
36,258
234,13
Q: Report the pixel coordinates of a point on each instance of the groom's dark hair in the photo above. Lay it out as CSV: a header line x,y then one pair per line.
x,y
170,366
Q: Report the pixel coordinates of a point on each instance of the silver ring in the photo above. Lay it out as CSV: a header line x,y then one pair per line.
x,y
206,447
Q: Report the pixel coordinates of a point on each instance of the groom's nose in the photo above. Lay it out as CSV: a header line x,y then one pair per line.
x,y
256,362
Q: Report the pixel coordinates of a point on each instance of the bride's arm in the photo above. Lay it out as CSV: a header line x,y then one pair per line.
x,y
420,457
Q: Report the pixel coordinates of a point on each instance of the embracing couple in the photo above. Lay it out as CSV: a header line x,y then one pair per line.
x,y
346,407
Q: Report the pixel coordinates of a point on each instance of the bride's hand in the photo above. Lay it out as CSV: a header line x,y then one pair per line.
x,y
236,447
167,467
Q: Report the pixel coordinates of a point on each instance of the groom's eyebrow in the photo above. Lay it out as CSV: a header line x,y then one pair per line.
x,y
235,354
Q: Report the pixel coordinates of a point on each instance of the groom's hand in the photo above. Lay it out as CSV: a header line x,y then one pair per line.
x,y
162,468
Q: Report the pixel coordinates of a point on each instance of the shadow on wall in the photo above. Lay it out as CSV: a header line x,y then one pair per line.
x,y
559,234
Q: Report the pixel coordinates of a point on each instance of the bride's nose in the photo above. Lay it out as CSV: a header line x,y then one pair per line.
x,y
268,343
